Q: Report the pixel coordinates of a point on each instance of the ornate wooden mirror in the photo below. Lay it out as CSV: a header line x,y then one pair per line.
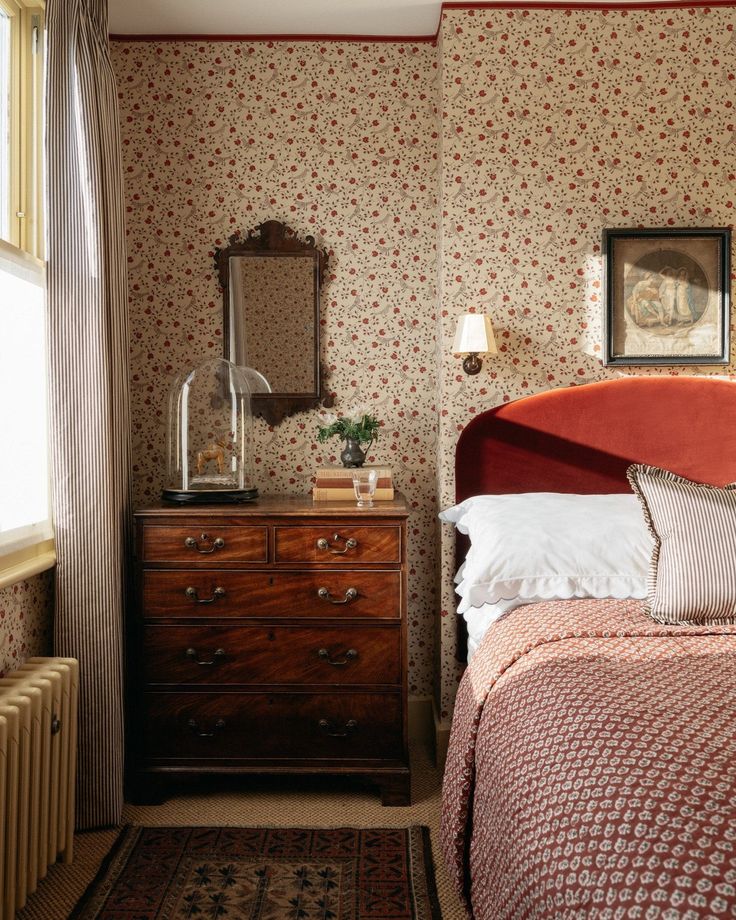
x,y
270,284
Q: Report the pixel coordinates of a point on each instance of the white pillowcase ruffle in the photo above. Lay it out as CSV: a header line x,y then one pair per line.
x,y
535,546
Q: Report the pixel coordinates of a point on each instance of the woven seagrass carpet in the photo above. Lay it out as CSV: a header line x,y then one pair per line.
x,y
257,873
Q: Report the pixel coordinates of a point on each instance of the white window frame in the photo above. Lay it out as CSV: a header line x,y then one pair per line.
x,y
32,551
26,118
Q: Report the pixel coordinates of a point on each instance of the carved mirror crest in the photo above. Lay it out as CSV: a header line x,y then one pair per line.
x,y
270,284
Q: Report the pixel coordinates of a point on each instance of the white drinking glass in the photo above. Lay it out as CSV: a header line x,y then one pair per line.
x,y
364,485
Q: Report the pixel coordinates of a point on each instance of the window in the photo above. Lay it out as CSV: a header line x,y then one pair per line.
x,y
21,76
6,123
25,527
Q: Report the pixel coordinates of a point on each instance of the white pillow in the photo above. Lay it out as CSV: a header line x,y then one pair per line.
x,y
548,545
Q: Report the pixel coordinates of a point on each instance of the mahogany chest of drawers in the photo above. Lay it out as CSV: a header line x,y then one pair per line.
x,y
270,637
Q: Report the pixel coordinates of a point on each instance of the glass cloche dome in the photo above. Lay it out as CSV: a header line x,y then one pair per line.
x,y
210,437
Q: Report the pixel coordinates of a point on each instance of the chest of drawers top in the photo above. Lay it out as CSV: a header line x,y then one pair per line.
x,y
274,531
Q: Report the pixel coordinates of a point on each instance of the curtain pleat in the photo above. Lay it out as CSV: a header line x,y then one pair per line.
x,y
89,399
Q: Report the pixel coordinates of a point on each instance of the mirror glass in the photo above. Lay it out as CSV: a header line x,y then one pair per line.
x,y
272,320
270,281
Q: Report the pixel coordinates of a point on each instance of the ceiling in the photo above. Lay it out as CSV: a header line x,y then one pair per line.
x,y
274,17
297,17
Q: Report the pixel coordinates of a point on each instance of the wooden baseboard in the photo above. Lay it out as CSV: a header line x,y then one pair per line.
x,y
441,733
426,727
421,723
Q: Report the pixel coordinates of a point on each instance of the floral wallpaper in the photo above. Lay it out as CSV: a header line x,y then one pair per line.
x,y
26,611
557,123
474,174
340,142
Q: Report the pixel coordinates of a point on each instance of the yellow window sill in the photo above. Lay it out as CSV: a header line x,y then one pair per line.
x,y
26,563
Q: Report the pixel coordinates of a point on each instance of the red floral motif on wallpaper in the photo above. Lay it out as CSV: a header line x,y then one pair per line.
x,y
26,611
555,124
339,141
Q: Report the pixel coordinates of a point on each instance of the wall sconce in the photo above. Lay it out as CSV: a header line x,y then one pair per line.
x,y
474,336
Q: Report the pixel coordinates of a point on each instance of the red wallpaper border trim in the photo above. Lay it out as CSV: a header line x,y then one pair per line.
x,y
422,39
581,5
347,39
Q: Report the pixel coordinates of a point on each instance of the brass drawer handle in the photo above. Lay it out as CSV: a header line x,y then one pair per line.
x,y
350,595
350,543
350,655
219,726
332,731
217,656
209,545
193,595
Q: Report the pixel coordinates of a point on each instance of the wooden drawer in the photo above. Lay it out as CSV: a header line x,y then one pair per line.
x,y
205,543
229,593
281,726
342,544
230,654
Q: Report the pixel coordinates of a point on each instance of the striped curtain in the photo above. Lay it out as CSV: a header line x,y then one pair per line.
x,y
88,354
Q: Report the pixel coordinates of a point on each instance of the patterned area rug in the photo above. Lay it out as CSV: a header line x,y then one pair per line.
x,y
258,873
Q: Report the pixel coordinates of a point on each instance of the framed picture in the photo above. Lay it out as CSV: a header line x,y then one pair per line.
x,y
667,296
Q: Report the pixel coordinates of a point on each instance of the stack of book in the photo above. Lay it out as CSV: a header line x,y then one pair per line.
x,y
335,484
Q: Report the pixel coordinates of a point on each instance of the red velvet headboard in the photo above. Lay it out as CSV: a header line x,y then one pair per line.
x,y
582,439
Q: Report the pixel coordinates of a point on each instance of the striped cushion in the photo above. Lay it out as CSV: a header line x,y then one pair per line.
x,y
692,576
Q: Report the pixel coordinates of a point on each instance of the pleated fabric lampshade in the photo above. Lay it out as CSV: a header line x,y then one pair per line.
x,y
473,337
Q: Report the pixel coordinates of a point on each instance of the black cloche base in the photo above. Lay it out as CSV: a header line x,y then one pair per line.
x,y
214,497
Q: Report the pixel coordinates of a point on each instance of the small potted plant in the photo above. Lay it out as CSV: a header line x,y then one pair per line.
x,y
356,427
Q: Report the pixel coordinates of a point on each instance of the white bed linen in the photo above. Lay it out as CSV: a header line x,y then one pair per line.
x,y
479,619
473,642
547,545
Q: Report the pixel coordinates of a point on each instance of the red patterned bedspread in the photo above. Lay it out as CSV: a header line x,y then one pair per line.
x,y
592,767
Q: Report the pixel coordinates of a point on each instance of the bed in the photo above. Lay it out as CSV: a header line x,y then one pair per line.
x,y
592,763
